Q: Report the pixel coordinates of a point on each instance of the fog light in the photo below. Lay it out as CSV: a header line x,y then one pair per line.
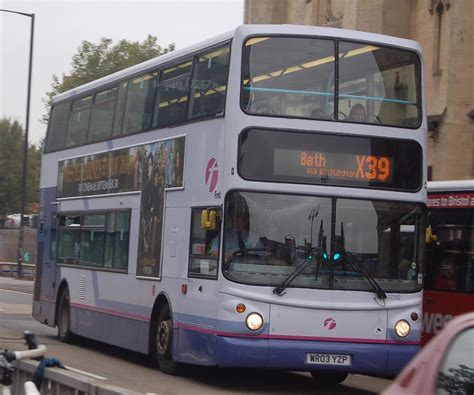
x,y
402,328
254,321
240,308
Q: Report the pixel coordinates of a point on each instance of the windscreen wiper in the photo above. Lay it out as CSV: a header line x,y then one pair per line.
x,y
280,288
379,292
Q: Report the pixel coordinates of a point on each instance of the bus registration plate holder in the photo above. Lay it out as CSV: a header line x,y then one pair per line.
x,y
328,359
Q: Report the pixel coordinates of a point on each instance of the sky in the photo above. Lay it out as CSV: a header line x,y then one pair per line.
x,y
61,26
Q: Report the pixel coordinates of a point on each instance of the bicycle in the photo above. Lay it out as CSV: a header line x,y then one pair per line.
x,y
7,369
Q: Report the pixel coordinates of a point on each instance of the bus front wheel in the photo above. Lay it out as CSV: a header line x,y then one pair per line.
x,y
329,378
64,318
163,342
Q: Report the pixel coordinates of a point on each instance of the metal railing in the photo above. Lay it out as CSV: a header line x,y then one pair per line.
x,y
62,382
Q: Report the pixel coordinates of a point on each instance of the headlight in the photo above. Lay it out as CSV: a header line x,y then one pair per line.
x,y
402,328
254,321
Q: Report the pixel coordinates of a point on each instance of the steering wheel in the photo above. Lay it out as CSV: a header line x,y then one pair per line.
x,y
247,250
373,118
341,116
265,109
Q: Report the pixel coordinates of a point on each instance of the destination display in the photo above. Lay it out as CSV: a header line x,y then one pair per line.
x,y
450,200
303,163
307,157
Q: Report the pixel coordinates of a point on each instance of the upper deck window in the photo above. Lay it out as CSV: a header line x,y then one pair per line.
x,y
138,112
378,85
102,117
294,77
172,95
79,122
209,83
289,77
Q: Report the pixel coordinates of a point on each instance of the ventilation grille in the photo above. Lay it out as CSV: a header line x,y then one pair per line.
x,y
82,285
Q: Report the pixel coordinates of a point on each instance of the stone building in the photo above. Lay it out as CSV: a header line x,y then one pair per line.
x,y
445,30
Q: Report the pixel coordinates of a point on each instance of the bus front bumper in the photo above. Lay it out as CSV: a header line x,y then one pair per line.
x,y
292,355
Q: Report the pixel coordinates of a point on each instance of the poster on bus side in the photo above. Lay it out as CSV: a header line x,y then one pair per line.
x,y
162,169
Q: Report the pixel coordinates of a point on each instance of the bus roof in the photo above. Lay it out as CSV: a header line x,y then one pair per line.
x,y
241,31
450,186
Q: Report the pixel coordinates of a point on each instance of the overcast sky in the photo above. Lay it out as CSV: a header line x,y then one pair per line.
x,y
60,27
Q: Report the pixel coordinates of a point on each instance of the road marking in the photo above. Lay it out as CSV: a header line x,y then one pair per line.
x,y
86,373
16,292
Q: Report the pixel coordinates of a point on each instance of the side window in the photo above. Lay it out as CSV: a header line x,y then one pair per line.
x,y
457,370
69,239
102,117
204,251
449,256
93,240
118,121
172,95
139,104
79,122
116,240
58,127
209,83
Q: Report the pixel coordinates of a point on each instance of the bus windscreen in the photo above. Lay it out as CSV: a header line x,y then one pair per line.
x,y
331,159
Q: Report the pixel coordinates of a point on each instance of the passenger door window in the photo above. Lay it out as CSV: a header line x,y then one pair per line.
x,y
205,243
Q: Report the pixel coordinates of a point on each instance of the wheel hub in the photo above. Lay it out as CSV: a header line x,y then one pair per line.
x,y
163,340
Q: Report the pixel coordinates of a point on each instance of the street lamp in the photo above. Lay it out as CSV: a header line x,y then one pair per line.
x,y
25,146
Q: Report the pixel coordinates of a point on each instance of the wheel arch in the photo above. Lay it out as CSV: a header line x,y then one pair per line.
x,y
62,286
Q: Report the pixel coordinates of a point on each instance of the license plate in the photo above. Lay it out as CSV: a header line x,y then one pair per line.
x,y
328,359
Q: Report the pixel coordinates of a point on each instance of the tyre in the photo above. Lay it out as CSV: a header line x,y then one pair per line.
x,y
329,378
64,318
163,342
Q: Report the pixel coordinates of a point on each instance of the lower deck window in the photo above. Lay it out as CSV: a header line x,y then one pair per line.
x,y
95,239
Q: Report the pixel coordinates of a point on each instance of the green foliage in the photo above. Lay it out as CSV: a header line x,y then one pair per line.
x,y
93,61
11,170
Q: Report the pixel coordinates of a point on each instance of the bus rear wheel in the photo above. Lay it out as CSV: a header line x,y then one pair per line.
x,y
163,342
64,318
329,378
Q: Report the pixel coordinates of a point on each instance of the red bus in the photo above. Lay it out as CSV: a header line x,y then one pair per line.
x,y
449,282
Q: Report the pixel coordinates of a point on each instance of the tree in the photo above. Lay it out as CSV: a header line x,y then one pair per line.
x,y
11,170
93,61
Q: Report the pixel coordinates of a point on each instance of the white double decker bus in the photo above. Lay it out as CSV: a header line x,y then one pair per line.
x,y
256,200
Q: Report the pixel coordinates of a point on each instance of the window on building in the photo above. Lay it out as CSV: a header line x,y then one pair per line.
x,y
204,253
